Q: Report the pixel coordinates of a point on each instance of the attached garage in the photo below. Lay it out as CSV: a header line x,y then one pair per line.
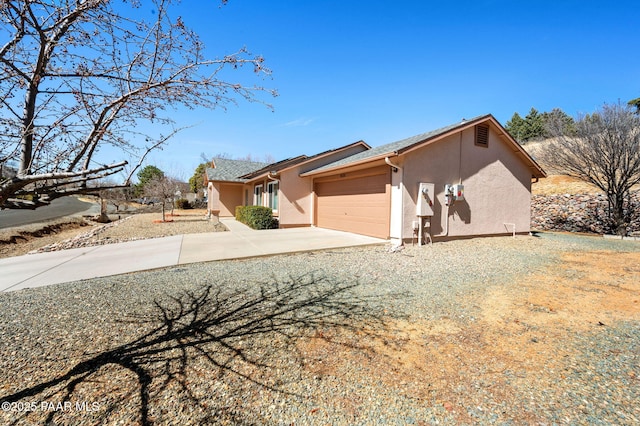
x,y
358,202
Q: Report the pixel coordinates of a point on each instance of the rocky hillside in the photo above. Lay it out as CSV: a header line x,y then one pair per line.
x,y
562,203
576,213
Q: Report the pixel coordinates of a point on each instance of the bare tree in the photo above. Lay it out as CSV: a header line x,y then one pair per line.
x,y
80,76
603,149
164,189
117,197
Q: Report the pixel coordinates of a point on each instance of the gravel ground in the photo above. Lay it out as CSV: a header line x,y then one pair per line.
x,y
531,330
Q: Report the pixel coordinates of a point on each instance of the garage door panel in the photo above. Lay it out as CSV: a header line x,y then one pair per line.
x,y
374,210
352,202
365,185
359,205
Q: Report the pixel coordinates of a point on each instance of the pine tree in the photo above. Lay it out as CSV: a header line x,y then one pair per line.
x,y
516,126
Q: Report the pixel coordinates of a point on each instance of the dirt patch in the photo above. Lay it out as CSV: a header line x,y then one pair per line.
x,y
561,184
19,241
82,233
523,337
587,289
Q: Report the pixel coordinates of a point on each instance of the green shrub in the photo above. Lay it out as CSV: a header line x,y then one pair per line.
x,y
182,203
241,214
256,217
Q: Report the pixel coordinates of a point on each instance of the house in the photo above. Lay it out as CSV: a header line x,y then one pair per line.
x,y
225,187
232,183
467,179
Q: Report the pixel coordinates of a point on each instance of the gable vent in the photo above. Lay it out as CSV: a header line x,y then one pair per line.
x,y
482,136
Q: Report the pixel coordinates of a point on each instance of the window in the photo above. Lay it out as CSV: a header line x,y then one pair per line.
x,y
272,191
257,195
482,136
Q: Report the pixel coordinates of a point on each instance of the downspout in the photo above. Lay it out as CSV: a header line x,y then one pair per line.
x,y
396,167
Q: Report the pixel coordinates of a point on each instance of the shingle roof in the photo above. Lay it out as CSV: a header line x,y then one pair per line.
x,y
231,170
329,151
277,166
395,147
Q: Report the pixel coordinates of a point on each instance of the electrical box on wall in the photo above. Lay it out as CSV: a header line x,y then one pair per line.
x,y
453,193
426,195
458,192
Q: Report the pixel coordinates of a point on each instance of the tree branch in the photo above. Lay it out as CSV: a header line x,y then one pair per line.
x,y
156,145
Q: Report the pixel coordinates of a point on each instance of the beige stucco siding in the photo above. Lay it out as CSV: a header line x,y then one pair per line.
x,y
496,185
230,196
296,198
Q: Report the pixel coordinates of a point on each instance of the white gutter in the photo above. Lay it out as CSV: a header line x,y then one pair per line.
x,y
401,187
386,160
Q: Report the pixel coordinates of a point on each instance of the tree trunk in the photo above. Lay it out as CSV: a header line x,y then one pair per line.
x,y
618,223
104,217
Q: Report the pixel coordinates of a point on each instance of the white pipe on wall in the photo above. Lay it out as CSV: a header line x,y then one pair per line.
x,y
513,225
446,223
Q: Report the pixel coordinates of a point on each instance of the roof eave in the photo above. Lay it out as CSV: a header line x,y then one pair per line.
x,y
536,170
461,127
327,153
353,164
273,167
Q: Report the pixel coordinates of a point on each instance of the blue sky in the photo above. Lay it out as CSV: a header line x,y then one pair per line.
x,y
380,71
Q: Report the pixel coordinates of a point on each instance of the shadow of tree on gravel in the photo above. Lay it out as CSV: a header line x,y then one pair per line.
x,y
233,332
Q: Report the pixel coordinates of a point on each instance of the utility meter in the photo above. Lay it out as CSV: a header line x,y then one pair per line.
x,y
453,193
424,204
458,192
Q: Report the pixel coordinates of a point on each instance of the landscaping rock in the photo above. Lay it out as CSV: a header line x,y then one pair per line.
x,y
578,213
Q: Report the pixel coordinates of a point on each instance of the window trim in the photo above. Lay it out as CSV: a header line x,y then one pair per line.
x,y
259,202
271,195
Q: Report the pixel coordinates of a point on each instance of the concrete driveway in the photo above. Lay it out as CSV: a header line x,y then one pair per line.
x,y
43,269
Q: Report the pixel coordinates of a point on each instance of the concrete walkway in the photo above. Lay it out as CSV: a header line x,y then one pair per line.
x,y
56,267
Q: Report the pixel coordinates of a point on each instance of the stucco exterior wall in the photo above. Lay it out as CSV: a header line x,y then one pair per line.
x,y
296,199
296,193
230,196
212,198
497,186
